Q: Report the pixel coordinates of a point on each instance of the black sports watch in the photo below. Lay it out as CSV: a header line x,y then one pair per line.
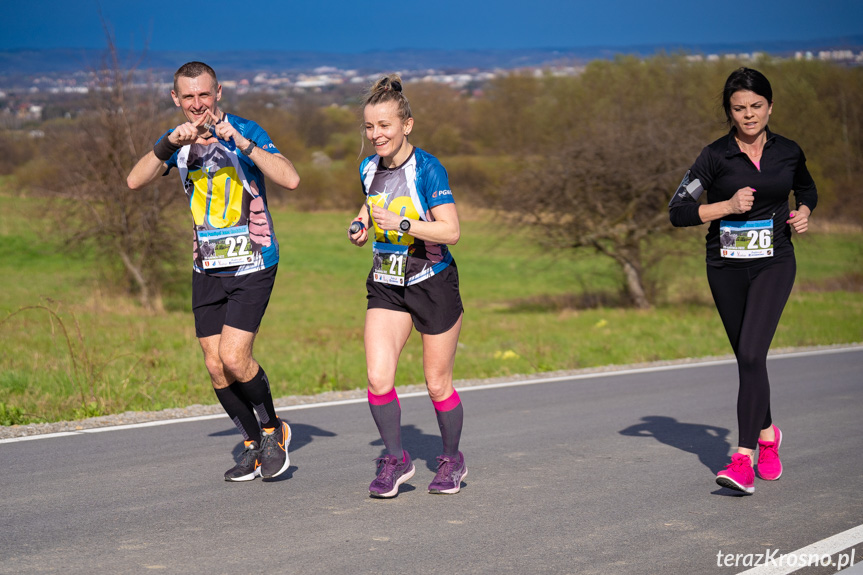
x,y
405,225
251,147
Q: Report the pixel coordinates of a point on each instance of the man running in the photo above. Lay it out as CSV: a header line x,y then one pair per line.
x,y
222,160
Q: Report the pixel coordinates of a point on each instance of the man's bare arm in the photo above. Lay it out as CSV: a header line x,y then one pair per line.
x,y
276,167
145,171
151,165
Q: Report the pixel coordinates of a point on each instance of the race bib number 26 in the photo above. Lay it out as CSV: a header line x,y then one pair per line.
x,y
742,240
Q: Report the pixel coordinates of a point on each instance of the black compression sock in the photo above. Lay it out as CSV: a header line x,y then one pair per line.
x,y
257,392
240,412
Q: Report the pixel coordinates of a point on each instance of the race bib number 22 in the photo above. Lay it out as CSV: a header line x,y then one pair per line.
x,y
226,247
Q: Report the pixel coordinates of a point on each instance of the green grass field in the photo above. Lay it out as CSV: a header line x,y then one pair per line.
x,y
521,304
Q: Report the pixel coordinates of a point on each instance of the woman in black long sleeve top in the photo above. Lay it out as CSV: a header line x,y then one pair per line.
x,y
748,176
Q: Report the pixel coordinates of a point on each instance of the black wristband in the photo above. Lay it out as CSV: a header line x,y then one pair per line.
x,y
164,149
249,148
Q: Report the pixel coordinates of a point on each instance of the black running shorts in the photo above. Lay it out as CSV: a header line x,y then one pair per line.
x,y
237,301
434,304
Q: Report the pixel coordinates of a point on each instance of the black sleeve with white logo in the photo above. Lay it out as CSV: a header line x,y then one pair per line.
x,y
683,207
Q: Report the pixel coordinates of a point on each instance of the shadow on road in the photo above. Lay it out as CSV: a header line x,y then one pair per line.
x,y
301,435
421,446
708,442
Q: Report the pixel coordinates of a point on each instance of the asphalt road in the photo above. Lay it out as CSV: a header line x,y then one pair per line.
x,y
601,474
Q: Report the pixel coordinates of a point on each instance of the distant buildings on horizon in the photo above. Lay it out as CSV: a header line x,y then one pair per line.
x,y
17,109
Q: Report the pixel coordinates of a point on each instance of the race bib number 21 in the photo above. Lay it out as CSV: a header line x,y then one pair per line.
x,y
390,263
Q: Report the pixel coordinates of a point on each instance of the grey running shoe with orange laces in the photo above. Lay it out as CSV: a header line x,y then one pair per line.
x,y
249,466
274,450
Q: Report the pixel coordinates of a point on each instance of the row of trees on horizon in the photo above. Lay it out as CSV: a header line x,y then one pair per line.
x,y
590,160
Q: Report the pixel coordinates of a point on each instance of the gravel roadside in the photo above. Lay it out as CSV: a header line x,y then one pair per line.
x,y
130,417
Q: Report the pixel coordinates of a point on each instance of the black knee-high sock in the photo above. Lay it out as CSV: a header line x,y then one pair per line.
x,y
257,392
387,413
240,412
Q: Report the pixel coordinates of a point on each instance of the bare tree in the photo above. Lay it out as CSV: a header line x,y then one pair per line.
x,y
606,191
137,230
620,137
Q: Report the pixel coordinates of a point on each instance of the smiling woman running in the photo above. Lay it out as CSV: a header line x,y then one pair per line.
x,y
748,176
410,211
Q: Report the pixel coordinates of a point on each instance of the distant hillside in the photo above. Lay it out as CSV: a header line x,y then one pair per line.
x,y
30,62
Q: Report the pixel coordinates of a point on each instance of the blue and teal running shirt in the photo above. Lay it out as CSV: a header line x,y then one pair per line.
x,y
233,229
410,190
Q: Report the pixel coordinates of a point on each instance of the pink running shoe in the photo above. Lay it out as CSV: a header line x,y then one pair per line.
x,y
769,466
738,475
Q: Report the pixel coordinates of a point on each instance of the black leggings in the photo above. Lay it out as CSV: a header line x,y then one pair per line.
x,y
750,301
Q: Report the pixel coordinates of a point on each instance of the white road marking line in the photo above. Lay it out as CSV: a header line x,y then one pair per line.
x,y
631,371
829,546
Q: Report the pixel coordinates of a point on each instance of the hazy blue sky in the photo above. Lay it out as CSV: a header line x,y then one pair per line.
x,y
359,26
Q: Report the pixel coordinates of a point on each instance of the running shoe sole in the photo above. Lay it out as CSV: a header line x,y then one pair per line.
x,y
405,476
731,484
247,477
455,489
287,436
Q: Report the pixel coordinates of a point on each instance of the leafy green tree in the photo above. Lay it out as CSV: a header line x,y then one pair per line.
x,y
442,118
820,105
506,118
